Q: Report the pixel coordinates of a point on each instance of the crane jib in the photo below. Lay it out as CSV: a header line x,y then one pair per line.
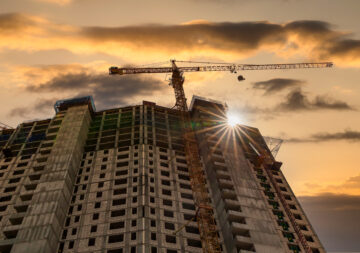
x,y
231,68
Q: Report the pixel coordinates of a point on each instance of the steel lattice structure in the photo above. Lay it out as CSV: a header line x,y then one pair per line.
x,y
230,67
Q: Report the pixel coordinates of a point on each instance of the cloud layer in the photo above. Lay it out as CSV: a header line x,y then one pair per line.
x,y
316,40
346,135
72,80
277,84
77,79
297,100
107,90
336,219
41,105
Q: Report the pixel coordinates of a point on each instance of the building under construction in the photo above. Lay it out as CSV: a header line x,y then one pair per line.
x,y
122,180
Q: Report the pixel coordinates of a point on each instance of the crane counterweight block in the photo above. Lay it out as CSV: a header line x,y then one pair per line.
x,y
115,71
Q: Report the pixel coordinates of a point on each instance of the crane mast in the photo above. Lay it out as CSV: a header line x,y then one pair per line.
x,y
177,82
204,214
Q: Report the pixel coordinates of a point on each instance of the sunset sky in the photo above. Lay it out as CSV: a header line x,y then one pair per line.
x,y
55,49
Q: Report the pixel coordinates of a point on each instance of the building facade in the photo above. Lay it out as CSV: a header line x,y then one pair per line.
x,y
117,181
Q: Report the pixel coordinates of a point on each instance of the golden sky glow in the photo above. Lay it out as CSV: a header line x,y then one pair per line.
x,y
54,49
310,39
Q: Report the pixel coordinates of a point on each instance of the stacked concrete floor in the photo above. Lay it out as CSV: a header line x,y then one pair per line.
x,y
117,181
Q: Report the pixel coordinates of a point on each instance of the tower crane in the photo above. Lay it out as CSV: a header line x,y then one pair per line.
x,y
204,214
177,79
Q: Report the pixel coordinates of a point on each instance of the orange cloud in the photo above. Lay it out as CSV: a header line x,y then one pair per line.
x,y
33,33
315,40
350,186
59,2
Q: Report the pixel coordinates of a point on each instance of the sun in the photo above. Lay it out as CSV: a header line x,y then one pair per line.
x,y
233,119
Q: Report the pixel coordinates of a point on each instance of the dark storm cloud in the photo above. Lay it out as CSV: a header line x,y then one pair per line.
x,y
322,102
107,90
41,105
311,27
219,36
297,100
19,112
243,35
346,47
347,135
336,219
277,84
240,37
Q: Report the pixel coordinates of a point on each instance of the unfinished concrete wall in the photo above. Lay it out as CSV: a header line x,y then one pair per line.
x,y
244,220
132,190
293,228
41,204
117,181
